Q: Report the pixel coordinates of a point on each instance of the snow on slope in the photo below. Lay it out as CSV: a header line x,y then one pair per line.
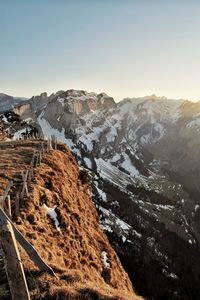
x,y
48,131
112,223
194,124
152,107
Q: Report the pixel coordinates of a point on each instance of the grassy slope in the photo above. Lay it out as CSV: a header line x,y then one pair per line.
x,y
75,253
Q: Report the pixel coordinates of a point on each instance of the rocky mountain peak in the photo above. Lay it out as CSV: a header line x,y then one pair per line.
x,y
105,101
42,95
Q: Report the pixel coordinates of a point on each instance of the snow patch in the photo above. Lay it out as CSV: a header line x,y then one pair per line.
x,y
104,256
62,101
128,166
49,131
5,120
88,162
194,123
111,135
18,134
163,206
101,194
52,214
115,158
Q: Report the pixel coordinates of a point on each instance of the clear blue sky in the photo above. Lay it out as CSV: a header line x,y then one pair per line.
x,y
123,47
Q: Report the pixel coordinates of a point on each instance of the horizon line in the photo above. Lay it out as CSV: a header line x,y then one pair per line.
x,y
116,99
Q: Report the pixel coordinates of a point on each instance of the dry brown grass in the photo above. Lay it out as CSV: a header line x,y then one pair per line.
x,y
75,252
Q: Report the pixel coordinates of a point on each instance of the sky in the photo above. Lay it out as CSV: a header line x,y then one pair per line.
x,y
126,48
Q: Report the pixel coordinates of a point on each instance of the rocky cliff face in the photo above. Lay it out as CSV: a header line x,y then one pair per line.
x,y
143,158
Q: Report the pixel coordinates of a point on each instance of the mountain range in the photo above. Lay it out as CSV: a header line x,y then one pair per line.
x,y
142,155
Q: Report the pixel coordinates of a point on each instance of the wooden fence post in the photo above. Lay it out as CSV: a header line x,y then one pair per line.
x,y
30,250
40,157
49,144
37,159
42,147
14,268
1,202
17,205
32,166
7,206
24,187
30,175
9,185
48,147
56,144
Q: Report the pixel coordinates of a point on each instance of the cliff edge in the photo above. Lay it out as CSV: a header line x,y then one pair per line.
x,y
60,220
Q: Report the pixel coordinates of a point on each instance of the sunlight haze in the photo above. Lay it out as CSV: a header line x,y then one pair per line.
x,y
124,48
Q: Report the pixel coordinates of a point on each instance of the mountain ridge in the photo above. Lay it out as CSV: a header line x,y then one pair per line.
x,y
143,158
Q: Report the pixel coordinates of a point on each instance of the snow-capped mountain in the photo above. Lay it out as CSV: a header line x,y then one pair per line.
x,y
143,157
